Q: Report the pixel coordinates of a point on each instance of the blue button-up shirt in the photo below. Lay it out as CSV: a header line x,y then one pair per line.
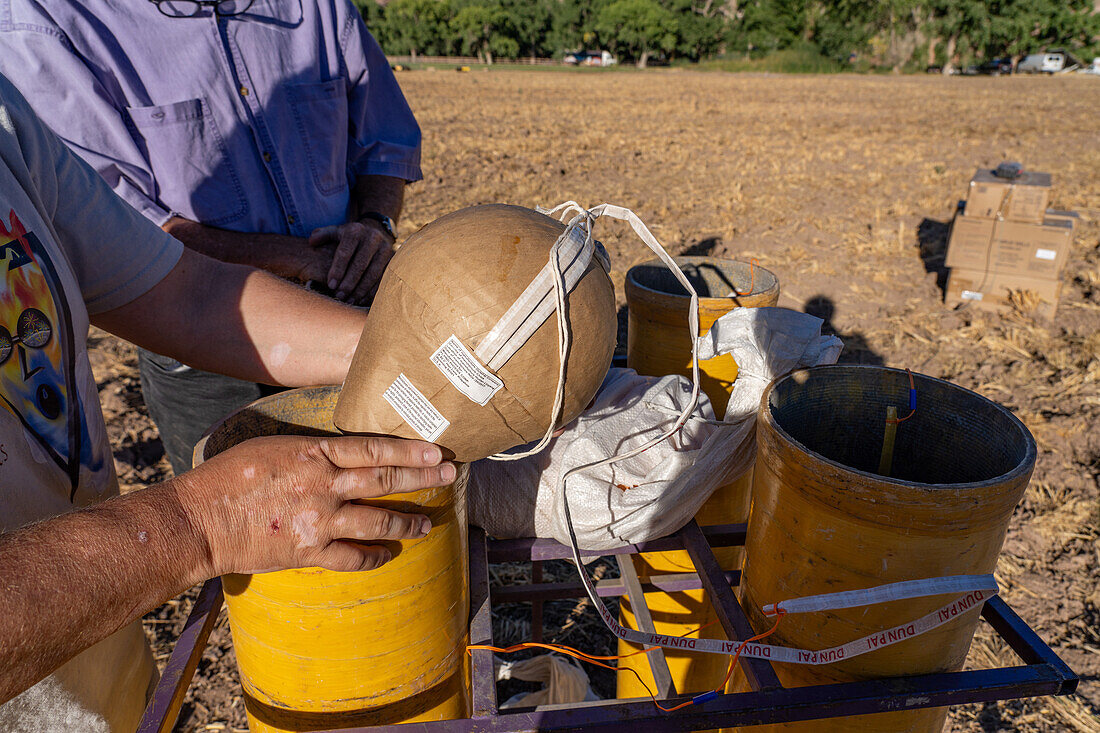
x,y
254,123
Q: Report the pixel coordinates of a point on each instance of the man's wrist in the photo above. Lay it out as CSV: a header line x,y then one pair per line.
x,y
199,519
294,258
380,221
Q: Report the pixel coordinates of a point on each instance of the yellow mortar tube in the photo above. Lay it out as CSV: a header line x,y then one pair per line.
x,y
824,521
318,649
658,343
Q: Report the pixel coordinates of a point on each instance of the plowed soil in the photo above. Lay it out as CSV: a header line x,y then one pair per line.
x,y
844,186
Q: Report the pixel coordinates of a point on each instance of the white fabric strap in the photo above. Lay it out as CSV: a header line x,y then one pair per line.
x,y
558,281
885,593
583,220
536,303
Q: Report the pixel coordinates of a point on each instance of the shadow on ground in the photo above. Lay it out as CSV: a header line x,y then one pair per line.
x,y
932,237
857,350
702,248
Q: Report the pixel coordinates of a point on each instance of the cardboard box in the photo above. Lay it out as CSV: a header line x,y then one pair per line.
x,y
1020,199
992,291
971,243
1033,250
1071,216
1011,247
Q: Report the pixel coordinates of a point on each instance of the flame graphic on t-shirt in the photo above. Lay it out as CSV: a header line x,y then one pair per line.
x,y
36,349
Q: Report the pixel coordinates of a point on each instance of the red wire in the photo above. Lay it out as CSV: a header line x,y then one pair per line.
x,y
912,387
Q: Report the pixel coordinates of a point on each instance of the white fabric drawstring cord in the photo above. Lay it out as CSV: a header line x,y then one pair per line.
x,y
586,218
563,331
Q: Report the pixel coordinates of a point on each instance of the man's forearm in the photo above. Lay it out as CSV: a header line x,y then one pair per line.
x,y
73,580
279,254
241,322
300,338
381,194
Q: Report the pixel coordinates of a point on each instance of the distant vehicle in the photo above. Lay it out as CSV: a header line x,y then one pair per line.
x,y
1093,68
996,67
590,58
1042,63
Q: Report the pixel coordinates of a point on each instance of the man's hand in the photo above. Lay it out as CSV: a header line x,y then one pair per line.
x,y
266,504
287,502
362,251
309,263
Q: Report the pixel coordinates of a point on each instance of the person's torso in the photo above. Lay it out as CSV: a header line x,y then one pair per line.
x,y
243,118
54,452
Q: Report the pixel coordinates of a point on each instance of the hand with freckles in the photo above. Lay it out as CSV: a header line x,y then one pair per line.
x,y
287,501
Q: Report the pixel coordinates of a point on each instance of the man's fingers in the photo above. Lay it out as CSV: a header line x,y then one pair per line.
x,y
369,483
368,284
351,238
323,235
365,254
352,557
368,523
357,452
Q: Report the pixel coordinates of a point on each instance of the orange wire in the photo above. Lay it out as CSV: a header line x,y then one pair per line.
x,y
594,659
779,614
557,647
752,279
912,387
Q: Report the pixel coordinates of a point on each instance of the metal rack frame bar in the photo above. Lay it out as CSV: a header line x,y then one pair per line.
x,y
658,664
1043,672
162,711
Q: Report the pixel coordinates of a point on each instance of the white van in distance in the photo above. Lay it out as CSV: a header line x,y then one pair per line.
x,y
1042,63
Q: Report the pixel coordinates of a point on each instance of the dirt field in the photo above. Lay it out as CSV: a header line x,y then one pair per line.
x,y
844,187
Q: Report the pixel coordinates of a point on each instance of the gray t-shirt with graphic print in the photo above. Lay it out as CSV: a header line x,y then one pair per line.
x,y
68,247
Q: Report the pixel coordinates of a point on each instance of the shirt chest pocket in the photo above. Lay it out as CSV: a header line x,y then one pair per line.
x,y
190,161
321,121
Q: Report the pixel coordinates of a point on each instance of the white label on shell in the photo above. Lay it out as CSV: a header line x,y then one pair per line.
x,y
971,295
415,409
1046,254
465,372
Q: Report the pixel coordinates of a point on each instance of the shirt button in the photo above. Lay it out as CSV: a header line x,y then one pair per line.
x,y
267,157
290,220
244,91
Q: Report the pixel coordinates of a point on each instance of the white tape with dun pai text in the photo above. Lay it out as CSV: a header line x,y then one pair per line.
x,y
978,589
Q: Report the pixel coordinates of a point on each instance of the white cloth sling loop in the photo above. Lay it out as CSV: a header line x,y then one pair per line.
x,y
883,594
583,220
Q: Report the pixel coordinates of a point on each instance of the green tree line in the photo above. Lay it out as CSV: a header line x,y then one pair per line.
x,y
896,34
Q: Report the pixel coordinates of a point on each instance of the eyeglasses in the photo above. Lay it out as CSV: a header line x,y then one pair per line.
x,y
33,330
191,8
